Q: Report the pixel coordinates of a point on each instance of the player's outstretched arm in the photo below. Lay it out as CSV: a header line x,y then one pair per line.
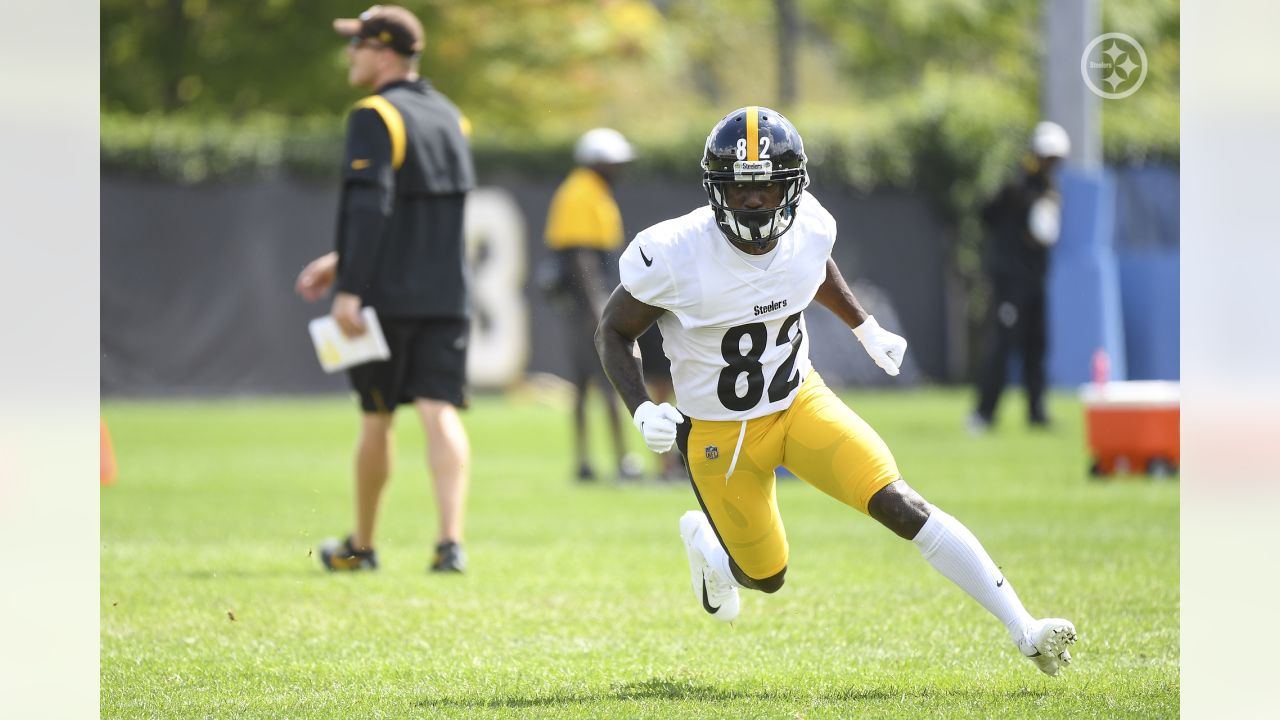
x,y
886,348
835,295
624,319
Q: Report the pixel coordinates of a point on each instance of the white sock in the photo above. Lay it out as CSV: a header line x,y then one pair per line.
x,y
709,545
953,551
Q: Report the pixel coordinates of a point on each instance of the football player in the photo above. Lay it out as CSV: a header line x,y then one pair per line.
x,y
728,285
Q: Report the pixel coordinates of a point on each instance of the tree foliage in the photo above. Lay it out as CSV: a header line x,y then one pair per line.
x,y
523,69
933,93
936,95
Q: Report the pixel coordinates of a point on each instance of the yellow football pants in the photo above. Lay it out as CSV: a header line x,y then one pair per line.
x,y
818,438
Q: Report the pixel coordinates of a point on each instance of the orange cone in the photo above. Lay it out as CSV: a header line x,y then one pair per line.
x,y
108,456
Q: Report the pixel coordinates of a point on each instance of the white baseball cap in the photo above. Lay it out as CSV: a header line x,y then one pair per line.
x,y
602,146
1050,140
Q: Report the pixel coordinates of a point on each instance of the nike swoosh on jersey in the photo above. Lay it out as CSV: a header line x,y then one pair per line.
x,y
647,260
706,601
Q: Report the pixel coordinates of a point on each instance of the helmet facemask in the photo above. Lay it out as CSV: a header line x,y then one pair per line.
x,y
757,227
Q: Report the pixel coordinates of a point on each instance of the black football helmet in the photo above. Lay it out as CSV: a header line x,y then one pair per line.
x,y
754,144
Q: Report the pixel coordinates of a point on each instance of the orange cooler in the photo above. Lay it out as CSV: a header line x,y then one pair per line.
x,y
1132,426
108,466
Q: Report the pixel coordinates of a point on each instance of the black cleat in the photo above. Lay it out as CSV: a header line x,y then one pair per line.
x,y
335,555
449,558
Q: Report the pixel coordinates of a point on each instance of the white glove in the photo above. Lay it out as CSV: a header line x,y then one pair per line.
x,y
658,425
883,346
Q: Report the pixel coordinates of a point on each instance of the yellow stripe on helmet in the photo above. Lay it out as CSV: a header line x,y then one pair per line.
x,y
753,132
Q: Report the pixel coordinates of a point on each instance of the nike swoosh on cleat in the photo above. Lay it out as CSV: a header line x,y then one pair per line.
x,y
647,262
706,601
1001,581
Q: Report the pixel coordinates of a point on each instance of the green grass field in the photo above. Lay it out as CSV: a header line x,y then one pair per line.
x,y
577,603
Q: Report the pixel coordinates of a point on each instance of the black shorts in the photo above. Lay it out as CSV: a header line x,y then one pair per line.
x,y
580,347
428,360
654,362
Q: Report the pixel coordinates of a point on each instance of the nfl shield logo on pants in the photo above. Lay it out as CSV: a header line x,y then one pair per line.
x,y
713,452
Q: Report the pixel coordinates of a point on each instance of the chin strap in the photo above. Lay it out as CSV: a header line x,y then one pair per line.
x,y
731,225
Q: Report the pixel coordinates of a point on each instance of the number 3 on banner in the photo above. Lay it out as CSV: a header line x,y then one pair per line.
x,y
496,257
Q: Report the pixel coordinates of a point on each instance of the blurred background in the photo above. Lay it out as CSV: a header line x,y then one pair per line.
x,y
221,134
221,137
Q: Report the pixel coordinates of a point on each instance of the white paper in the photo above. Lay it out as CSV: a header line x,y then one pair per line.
x,y
339,352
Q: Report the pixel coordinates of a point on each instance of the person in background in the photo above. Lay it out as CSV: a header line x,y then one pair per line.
x,y
405,178
583,226
1023,222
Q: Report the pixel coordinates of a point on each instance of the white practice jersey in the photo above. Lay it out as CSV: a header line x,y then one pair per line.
x,y
734,333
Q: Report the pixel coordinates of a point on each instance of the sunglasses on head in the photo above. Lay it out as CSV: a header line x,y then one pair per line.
x,y
358,42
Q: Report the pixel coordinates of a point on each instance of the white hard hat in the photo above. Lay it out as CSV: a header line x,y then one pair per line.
x,y
602,146
1050,140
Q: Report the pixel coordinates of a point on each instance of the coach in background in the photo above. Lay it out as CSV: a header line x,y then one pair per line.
x,y
406,173
584,226
1023,222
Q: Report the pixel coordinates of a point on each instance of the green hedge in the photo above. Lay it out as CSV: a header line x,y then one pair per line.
x,y
954,140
